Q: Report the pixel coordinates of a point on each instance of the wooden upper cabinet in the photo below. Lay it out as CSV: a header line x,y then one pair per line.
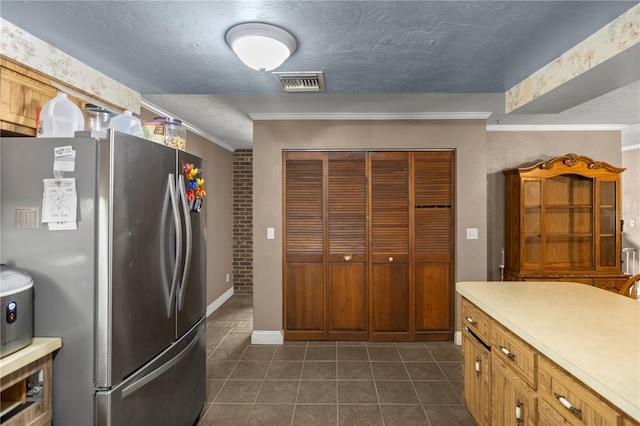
x,y
22,93
563,220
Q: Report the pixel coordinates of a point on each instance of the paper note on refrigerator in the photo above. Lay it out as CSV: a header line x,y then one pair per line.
x,y
60,200
64,159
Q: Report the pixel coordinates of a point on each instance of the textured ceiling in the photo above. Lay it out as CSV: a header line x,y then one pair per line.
x,y
377,56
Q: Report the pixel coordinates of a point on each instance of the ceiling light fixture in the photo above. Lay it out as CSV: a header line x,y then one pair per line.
x,y
262,47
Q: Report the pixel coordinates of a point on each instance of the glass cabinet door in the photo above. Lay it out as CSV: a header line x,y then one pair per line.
x,y
608,221
532,221
568,242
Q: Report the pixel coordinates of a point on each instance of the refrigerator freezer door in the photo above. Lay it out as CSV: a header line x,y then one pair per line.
x,y
137,255
192,294
168,391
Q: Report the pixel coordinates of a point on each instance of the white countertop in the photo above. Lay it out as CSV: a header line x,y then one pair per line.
x,y
592,333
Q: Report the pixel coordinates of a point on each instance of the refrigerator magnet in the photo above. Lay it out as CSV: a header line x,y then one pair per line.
x,y
195,186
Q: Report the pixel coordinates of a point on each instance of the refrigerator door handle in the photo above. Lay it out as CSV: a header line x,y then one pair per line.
x,y
140,383
170,201
182,194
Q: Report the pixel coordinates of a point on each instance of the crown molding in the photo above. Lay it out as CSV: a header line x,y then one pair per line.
x,y
157,110
554,127
371,116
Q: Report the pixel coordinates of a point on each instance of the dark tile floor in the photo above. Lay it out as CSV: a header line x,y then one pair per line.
x,y
326,383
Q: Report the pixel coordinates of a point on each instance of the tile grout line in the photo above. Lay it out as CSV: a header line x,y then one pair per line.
x,y
337,389
295,403
204,414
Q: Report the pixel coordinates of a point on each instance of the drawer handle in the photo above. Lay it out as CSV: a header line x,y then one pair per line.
x,y
471,321
568,405
507,353
477,366
518,412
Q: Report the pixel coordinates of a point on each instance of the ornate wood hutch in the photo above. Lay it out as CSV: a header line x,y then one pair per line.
x,y
563,222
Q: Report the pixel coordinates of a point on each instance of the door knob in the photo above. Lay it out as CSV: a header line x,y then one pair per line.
x,y
348,257
390,258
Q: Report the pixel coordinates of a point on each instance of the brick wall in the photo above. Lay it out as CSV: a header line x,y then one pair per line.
x,y
243,221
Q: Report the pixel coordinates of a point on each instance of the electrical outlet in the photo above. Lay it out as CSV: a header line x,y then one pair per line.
x,y
632,223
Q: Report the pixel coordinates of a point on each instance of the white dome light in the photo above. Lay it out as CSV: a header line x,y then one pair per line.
x,y
262,47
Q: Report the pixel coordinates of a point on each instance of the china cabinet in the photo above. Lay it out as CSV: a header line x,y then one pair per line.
x,y
563,222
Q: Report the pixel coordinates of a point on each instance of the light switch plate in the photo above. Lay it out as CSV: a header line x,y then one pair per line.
x,y
472,233
271,233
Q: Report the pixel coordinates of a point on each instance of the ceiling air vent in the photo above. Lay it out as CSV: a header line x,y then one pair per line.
x,y
300,81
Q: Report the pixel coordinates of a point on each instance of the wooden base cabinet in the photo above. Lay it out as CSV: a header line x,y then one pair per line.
x,y
571,401
476,341
477,378
525,388
513,401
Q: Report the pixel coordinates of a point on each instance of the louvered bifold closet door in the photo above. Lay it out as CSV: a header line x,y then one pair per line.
x,y
390,310
347,308
433,176
304,245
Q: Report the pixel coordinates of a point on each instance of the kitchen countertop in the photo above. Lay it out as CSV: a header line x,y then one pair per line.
x,y
40,347
591,333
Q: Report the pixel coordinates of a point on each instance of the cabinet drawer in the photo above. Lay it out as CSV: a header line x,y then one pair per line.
x,y
571,400
515,353
476,320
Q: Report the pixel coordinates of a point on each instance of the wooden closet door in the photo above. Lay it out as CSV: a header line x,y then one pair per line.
x,y
390,307
434,245
347,313
304,290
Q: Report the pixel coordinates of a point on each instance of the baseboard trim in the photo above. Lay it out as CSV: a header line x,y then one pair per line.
x,y
267,337
457,338
219,301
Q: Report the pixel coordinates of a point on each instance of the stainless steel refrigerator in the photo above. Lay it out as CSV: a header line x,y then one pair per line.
x,y
126,289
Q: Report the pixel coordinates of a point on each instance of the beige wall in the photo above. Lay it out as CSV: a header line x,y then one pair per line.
x,y
468,138
631,201
514,149
218,176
